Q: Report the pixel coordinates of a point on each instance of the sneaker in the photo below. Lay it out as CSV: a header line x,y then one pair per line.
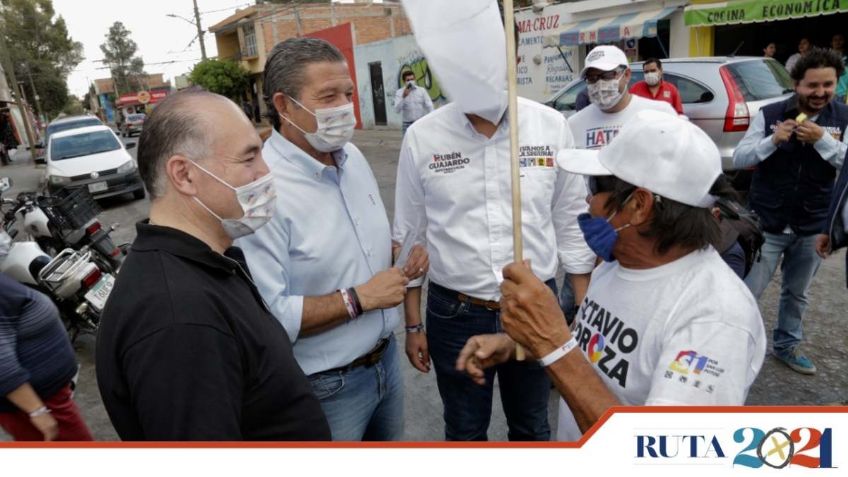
x,y
796,361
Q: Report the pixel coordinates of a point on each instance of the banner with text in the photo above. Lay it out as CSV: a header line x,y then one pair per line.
x,y
748,11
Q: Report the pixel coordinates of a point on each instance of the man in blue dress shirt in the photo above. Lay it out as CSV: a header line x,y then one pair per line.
x,y
324,262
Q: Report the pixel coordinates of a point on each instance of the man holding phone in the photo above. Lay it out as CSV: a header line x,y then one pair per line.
x,y
411,101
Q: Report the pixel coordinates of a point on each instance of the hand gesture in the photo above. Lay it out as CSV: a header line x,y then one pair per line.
x,y
417,263
530,312
809,132
385,290
783,131
484,351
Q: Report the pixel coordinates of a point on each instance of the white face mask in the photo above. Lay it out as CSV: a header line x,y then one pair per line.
x,y
335,127
257,200
605,93
652,78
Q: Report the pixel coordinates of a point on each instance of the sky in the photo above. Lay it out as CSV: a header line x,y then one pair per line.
x,y
162,41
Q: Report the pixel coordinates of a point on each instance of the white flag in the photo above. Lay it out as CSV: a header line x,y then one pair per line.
x,y
464,43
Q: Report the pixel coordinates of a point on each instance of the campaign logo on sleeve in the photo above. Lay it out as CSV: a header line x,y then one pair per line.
x,y
690,368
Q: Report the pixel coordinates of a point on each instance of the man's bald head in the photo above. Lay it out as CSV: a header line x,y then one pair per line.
x,y
183,124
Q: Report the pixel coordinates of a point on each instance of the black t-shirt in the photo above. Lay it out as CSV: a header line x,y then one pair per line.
x,y
187,350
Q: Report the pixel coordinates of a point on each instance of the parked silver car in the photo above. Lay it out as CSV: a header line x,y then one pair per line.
x,y
722,95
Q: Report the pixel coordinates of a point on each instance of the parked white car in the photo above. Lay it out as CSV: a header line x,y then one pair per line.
x,y
92,157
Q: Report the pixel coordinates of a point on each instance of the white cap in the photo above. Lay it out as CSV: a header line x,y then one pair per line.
x,y
605,58
657,151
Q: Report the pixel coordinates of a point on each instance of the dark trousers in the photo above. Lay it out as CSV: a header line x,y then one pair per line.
x,y
524,386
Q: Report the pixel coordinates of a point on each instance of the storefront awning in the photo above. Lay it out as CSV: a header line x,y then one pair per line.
x,y
610,29
751,11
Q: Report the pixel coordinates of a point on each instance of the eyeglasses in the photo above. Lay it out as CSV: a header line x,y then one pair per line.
x,y
600,184
606,76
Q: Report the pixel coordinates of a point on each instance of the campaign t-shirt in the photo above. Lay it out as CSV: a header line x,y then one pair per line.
x,y
685,333
594,129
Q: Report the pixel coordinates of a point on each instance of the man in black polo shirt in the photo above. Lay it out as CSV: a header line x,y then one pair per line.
x,y
797,147
187,349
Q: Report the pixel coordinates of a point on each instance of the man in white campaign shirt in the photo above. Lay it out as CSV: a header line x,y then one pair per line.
x,y
454,181
665,321
607,74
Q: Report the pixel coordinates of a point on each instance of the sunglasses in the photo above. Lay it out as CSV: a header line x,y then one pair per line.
x,y
606,76
599,184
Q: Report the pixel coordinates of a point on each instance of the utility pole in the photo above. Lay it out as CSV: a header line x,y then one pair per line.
x,y
20,97
35,94
199,30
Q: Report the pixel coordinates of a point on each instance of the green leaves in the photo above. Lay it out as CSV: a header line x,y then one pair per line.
x,y
224,77
119,52
39,46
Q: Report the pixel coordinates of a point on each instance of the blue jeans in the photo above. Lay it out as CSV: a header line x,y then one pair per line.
x,y
524,386
800,264
406,125
366,402
567,300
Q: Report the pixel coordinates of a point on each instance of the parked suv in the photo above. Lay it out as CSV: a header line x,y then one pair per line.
x,y
132,124
719,94
92,157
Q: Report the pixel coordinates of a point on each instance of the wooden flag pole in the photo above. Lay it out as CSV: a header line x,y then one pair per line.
x,y
512,82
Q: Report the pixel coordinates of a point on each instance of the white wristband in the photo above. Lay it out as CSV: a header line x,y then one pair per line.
x,y
558,353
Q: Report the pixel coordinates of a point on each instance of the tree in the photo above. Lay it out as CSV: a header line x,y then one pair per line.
x,y
40,48
73,107
221,76
119,50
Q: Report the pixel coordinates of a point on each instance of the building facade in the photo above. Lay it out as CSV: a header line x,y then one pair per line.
x,y
379,67
250,34
554,39
12,126
111,107
745,27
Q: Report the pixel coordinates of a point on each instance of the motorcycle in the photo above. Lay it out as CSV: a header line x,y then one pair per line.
x,y
72,280
67,219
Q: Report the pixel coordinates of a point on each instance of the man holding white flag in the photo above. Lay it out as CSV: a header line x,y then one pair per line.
x,y
454,192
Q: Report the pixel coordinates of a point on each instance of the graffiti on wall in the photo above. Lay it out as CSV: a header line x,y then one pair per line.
x,y
423,76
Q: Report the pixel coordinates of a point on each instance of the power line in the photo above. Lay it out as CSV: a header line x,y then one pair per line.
x,y
225,9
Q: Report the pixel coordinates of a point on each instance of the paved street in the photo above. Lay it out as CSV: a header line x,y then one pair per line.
x,y
827,334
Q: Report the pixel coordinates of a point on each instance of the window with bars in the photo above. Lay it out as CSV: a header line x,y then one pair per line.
x,y
249,40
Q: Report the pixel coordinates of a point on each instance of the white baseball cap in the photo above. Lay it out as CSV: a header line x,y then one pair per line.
x,y
605,58
657,151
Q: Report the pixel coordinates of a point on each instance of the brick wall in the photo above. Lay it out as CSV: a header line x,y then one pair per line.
x,y
370,22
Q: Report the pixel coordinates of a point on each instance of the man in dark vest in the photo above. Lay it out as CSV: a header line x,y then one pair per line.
x,y
797,147
835,234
